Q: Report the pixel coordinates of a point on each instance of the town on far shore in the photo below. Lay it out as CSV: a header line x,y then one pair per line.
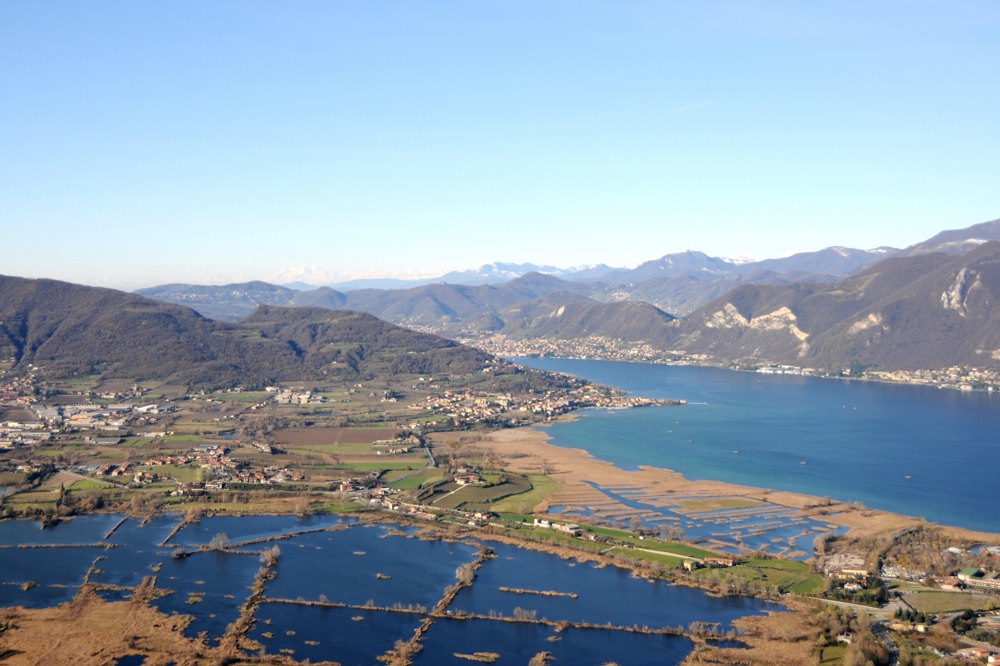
x,y
959,378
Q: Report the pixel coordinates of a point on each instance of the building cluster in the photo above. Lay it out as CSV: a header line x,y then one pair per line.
x,y
956,378
596,347
20,433
49,420
613,349
17,389
468,407
775,369
567,528
212,458
465,475
396,447
974,577
386,500
289,396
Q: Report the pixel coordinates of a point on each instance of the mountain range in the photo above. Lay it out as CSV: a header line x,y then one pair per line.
x,y
930,306
69,329
924,311
677,283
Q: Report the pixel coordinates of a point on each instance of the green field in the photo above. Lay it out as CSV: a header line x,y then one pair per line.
x,y
70,448
11,478
183,474
423,477
516,517
717,503
783,575
248,397
944,601
431,419
375,467
832,655
480,497
349,506
541,487
654,558
34,497
671,547
88,484
344,449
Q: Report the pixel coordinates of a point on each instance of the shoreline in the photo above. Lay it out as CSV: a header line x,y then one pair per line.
x,y
89,620
528,449
726,365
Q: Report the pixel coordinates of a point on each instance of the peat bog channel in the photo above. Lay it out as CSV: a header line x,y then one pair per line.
x,y
772,528
354,590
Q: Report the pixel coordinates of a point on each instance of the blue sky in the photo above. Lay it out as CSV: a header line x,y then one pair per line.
x,y
150,142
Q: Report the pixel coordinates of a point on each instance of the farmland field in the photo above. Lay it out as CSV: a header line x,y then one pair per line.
x,y
307,436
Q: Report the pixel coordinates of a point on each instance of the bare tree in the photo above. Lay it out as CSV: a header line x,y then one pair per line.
x,y
269,557
219,542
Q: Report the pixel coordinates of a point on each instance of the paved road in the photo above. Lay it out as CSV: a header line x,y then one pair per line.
x,y
883,635
430,456
448,494
883,613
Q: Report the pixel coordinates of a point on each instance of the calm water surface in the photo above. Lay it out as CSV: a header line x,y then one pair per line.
x,y
909,449
341,567
606,594
518,643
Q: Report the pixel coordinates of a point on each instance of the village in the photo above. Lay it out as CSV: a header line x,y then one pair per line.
x,y
138,446
615,349
469,408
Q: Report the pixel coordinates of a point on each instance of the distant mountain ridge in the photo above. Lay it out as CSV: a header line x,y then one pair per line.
x,y
909,312
68,329
565,316
435,304
232,302
958,241
801,309
677,283
837,261
493,273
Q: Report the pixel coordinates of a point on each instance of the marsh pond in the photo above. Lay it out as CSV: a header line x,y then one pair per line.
x,y
347,590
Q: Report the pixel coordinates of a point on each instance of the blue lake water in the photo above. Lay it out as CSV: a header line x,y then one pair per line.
x,y
221,582
770,528
340,566
606,594
239,529
81,530
518,643
913,450
350,636
418,571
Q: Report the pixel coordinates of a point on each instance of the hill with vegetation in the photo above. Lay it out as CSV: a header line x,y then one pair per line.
x,y
926,307
232,302
564,316
910,312
67,329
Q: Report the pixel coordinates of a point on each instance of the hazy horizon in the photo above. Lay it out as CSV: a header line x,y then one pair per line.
x,y
315,276
223,142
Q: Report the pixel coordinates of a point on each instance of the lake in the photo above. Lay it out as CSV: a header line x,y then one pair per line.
x,y
913,450
377,581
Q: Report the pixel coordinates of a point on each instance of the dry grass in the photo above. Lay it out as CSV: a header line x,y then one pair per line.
x,y
91,631
777,639
528,450
307,436
717,504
